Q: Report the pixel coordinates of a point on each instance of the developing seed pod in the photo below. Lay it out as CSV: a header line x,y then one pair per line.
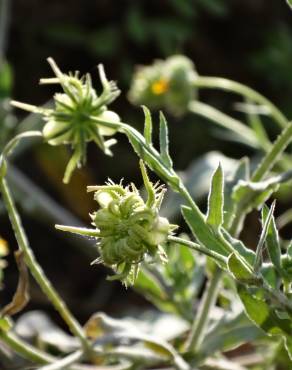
x,y
129,230
75,118
166,84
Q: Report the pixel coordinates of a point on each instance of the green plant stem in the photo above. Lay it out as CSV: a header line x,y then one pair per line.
x,y
223,120
273,155
247,92
207,303
36,269
263,168
24,349
197,247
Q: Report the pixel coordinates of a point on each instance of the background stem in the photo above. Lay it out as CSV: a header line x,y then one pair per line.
x,y
36,269
247,92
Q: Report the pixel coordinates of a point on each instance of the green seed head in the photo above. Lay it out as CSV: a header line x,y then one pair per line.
x,y
167,84
77,115
130,229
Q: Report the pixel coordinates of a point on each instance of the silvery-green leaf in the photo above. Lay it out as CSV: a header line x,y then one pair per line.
x,y
266,318
147,125
272,240
164,141
216,199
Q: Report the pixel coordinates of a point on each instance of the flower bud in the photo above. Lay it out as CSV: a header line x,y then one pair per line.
x,y
165,84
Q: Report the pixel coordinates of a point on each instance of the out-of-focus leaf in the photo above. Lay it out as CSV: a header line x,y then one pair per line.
x,y
104,329
136,25
216,199
6,80
37,325
289,2
4,250
147,284
5,324
52,161
21,296
229,333
104,42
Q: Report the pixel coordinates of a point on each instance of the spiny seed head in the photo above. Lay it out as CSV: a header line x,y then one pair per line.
x,y
166,84
128,228
77,115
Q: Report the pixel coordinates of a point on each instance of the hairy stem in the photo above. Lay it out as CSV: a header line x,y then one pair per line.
x,y
198,248
207,303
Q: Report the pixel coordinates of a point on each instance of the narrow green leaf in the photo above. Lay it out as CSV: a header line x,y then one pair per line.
x,y
164,142
202,231
242,172
241,250
272,240
216,199
289,2
150,156
147,125
259,250
253,195
148,185
240,270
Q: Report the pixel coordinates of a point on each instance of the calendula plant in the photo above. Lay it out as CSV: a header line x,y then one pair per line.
x,y
144,249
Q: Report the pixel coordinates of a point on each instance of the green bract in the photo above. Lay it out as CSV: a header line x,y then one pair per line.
x,y
76,114
128,228
166,84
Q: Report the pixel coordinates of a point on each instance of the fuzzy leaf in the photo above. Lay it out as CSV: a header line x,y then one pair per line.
x,y
239,270
216,199
147,125
203,232
164,142
257,193
238,246
259,250
289,2
272,240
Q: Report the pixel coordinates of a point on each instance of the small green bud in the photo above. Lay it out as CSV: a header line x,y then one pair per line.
x,y
128,228
165,84
74,118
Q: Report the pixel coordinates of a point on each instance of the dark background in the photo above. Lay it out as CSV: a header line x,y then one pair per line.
x,y
246,40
